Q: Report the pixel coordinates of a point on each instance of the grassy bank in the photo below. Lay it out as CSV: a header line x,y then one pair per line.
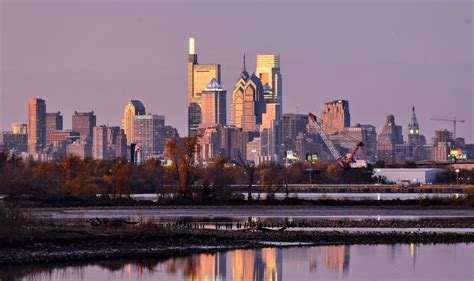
x,y
48,243
61,202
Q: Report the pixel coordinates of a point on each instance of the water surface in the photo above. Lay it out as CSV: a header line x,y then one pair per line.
x,y
358,262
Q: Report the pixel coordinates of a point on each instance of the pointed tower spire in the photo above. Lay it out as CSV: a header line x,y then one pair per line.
x,y
244,61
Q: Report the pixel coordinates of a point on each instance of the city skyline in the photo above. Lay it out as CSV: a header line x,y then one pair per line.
x,y
394,77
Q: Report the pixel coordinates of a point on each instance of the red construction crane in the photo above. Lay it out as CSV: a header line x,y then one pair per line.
x,y
347,161
454,120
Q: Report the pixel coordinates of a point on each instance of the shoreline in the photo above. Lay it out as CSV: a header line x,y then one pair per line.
x,y
47,245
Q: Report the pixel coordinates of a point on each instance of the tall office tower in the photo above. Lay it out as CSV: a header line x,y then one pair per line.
x,y
120,144
99,144
18,128
213,105
268,70
54,122
199,76
209,141
149,132
390,136
36,125
270,130
335,116
248,103
133,108
293,124
84,122
232,142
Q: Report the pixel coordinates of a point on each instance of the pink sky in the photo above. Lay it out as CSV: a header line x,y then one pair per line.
x,y
383,56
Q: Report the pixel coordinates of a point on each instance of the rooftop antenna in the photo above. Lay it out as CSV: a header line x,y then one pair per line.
x,y
244,61
297,109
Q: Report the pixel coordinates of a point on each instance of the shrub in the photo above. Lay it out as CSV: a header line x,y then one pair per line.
x,y
11,220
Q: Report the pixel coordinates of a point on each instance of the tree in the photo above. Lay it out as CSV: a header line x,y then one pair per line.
x,y
249,170
182,152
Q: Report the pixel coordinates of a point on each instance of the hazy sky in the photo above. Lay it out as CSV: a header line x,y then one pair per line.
x,y
384,56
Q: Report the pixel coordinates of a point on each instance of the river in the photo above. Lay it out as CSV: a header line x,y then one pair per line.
x,y
356,262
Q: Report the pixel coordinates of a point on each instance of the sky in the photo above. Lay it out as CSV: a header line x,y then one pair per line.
x,y
384,56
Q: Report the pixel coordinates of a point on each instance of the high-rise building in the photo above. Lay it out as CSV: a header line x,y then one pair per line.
x,y
199,76
15,142
335,116
233,142
54,122
132,108
248,103
348,137
117,138
268,71
209,141
390,136
149,132
18,128
293,124
36,125
213,105
99,144
84,122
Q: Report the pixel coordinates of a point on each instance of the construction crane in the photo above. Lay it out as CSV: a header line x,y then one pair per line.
x,y
347,161
454,120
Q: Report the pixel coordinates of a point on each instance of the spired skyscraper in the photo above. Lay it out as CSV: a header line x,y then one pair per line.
x,y
199,76
248,102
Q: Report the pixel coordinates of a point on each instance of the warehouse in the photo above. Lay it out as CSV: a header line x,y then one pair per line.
x,y
413,175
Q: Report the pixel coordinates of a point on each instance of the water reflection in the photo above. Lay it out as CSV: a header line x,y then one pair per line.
x,y
360,262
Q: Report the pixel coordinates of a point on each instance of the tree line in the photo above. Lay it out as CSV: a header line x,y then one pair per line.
x,y
185,177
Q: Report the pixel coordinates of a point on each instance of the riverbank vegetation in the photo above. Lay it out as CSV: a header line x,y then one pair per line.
x,y
83,182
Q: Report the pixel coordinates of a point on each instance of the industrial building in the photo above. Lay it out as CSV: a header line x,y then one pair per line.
x,y
413,175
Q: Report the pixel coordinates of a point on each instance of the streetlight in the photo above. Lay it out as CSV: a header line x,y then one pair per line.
x,y
457,176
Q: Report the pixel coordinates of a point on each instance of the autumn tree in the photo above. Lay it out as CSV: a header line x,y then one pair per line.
x,y
182,152
249,170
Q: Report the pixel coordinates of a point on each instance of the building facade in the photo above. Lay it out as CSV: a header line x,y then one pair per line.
x,y
84,122
248,103
54,122
132,109
389,138
149,132
335,116
36,125
213,105
199,76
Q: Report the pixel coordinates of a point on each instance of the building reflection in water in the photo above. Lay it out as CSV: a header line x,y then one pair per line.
x,y
257,265
336,258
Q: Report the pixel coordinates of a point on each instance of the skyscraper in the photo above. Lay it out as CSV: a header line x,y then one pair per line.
x,y
149,132
54,122
268,71
390,136
292,124
199,76
213,105
335,116
84,122
99,145
36,125
132,108
248,103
